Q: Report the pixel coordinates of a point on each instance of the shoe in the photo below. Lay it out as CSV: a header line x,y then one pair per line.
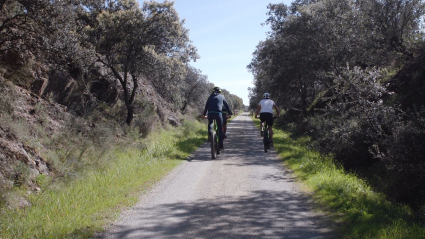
x,y
225,136
221,148
271,143
262,133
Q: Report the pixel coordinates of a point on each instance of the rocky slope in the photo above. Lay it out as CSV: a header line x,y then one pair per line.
x,y
30,116
20,121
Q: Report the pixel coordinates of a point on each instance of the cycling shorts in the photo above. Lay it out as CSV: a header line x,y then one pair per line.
x,y
267,117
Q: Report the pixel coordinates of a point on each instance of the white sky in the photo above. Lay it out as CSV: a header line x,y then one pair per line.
x,y
226,33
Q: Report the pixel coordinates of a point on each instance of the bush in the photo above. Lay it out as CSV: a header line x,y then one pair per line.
x,y
355,120
405,160
365,134
293,120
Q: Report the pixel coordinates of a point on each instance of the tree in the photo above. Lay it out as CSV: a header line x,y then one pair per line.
x,y
285,64
40,31
337,58
312,40
46,29
237,102
195,87
135,43
397,23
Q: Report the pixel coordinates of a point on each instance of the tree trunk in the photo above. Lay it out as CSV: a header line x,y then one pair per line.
x,y
184,106
130,111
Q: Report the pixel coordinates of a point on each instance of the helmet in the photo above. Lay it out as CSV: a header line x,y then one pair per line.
x,y
217,89
266,95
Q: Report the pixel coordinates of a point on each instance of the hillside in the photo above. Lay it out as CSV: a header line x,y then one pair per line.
x,y
21,123
33,129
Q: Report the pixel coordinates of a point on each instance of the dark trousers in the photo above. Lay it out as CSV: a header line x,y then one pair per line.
x,y
219,118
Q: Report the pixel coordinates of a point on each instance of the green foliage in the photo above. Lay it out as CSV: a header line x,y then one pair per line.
x,y
195,87
145,118
80,206
79,49
74,53
135,43
362,131
235,102
21,174
353,120
43,29
42,180
355,71
357,209
403,156
312,40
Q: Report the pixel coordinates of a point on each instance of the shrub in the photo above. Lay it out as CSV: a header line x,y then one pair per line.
x,y
405,159
365,134
355,119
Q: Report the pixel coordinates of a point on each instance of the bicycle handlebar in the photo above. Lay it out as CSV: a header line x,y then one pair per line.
x,y
206,117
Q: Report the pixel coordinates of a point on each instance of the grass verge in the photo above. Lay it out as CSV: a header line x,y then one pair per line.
x,y
358,211
81,207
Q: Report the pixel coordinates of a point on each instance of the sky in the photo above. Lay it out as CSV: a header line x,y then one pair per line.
x,y
226,33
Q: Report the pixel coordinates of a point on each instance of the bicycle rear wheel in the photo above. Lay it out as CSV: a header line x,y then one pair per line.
x,y
217,142
266,140
213,145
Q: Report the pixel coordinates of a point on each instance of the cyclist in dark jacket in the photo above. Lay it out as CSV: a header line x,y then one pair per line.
x,y
214,106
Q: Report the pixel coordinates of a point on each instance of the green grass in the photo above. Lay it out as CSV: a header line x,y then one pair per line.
x,y
80,207
358,211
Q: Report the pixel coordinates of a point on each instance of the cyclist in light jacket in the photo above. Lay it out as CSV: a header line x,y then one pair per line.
x,y
214,106
265,108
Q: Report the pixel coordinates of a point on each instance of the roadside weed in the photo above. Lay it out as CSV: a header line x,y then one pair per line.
x,y
358,211
80,206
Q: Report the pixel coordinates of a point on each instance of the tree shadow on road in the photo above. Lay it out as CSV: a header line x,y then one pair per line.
x,y
262,214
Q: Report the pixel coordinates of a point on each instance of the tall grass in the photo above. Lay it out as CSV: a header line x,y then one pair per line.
x,y
359,211
78,208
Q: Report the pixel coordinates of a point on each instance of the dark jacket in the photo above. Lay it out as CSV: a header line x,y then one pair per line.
x,y
215,104
224,110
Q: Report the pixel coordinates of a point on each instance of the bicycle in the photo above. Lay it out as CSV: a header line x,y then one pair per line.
x,y
266,138
215,146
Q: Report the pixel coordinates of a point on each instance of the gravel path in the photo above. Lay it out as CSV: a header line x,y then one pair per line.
x,y
244,193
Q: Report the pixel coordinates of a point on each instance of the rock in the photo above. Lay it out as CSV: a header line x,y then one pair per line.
x,y
38,86
23,203
2,71
59,85
4,182
167,116
174,121
104,91
41,166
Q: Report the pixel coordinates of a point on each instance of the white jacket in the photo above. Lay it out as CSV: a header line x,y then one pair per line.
x,y
266,106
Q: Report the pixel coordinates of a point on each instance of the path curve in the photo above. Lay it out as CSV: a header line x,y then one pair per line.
x,y
244,193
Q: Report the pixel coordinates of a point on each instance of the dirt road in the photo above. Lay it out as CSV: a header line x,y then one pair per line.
x,y
244,193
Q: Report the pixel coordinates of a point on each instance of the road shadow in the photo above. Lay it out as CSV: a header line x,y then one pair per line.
x,y
262,214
